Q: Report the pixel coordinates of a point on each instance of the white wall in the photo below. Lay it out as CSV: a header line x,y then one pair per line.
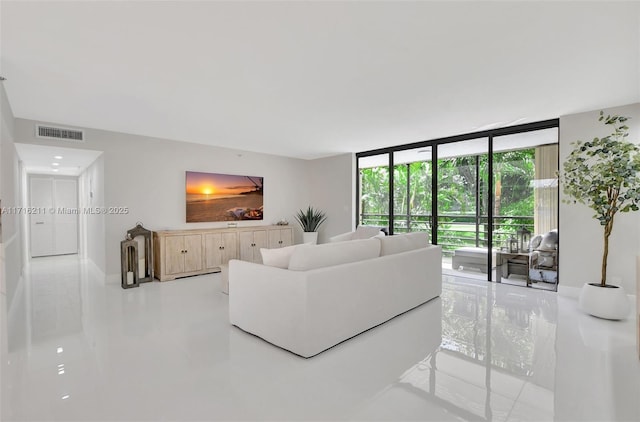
x,y
93,232
332,189
10,241
147,175
10,195
581,236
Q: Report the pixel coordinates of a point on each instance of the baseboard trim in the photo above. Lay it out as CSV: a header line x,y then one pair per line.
x,y
93,267
567,291
112,279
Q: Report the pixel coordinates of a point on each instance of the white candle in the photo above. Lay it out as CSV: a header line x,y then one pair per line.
x,y
129,277
141,245
141,272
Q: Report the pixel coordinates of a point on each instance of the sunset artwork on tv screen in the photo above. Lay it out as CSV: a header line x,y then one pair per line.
x,y
223,197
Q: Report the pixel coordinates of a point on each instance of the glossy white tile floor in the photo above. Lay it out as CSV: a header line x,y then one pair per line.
x,y
82,350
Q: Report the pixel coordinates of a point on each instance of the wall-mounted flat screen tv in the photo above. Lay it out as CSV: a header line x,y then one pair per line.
x,y
223,197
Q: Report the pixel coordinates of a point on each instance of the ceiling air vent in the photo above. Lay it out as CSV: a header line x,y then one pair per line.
x,y
62,133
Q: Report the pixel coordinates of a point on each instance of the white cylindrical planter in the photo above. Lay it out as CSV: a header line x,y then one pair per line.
x,y
608,302
310,237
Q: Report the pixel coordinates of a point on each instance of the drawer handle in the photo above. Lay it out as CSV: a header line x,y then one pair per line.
x,y
39,222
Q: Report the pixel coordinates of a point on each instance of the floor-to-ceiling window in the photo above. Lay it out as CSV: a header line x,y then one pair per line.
x,y
462,203
526,201
373,188
412,190
490,199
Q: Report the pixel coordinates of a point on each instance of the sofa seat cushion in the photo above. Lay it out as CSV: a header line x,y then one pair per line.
x,y
309,257
390,245
278,257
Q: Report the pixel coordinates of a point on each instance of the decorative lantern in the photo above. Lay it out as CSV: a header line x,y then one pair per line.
x,y
129,263
524,238
512,245
145,251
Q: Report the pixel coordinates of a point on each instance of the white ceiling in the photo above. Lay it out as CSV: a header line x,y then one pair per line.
x,y
312,79
55,160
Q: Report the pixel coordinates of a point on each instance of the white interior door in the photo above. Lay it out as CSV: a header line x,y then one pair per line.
x,y
41,198
54,229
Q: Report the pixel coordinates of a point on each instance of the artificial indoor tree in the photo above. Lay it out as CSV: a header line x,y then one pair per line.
x,y
604,175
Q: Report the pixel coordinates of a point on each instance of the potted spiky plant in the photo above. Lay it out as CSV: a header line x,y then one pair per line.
x,y
604,175
310,220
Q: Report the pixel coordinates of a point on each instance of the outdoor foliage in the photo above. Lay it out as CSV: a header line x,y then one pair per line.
x,y
374,195
604,175
456,201
515,170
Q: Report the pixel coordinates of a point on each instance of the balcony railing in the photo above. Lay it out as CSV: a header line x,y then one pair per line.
x,y
455,230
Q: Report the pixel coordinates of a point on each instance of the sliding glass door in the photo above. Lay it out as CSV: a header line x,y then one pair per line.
x,y
461,205
526,208
490,199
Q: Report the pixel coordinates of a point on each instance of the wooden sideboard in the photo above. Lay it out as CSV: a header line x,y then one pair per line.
x,y
182,253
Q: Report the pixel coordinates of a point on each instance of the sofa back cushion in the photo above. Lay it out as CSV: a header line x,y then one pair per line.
x,y
309,257
367,232
390,245
549,241
278,257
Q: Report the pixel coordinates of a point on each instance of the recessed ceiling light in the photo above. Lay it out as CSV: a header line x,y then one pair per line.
x,y
58,157
56,171
55,164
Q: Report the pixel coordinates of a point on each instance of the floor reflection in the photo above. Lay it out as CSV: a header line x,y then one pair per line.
x,y
488,366
80,349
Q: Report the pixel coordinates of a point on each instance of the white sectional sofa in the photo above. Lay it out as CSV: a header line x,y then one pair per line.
x,y
331,292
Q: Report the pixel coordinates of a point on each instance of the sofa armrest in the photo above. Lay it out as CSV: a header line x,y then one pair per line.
x,y
270,300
